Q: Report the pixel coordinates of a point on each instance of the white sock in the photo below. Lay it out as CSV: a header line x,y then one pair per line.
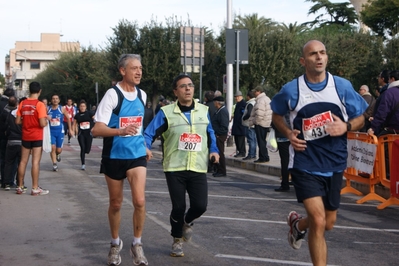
x,y
136,240
115,241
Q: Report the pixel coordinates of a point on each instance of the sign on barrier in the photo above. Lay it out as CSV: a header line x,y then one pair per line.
x,y
361,155
394,177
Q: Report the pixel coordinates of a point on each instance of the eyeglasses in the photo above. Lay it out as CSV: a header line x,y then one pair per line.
x,y
181,86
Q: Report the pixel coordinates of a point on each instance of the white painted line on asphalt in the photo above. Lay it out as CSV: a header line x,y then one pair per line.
x,y
376,243
285,223
233,237
286,262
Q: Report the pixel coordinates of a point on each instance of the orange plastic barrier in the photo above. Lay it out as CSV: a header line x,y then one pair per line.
x,y
352,174
391,142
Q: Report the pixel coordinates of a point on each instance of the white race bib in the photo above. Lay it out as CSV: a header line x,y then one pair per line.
x,y
315,127
55,122
132,120
190,142
84,125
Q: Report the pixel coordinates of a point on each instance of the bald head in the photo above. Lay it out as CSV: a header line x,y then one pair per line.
x,y
310,46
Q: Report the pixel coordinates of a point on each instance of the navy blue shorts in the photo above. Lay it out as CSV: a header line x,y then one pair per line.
x,y
116,168
308,186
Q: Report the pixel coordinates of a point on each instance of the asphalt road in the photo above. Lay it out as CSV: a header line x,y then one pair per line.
x,y
244,224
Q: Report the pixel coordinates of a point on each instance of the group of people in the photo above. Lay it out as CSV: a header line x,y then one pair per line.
x,y
193,135
22,125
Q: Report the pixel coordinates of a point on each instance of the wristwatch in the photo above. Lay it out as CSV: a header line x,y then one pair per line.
x,y
348,126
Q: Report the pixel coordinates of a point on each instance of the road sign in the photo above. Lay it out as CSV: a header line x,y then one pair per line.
x,y
232,43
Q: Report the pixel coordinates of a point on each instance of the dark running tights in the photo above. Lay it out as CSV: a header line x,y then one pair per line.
x,y
85,140
196,186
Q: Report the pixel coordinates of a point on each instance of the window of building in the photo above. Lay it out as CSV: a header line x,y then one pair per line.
x,y
34,65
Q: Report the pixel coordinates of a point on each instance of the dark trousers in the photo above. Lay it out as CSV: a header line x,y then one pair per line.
x,y
85,140
220,140
284,152
12,159
3,145
66,130
240,144
261,133
196,185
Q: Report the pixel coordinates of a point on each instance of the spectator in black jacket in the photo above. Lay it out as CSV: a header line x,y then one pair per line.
x,y
13,148
148,115
220,124
208,98
3,139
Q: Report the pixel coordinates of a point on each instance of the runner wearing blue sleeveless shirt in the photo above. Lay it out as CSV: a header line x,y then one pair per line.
x,y
119,119
322,109
56,114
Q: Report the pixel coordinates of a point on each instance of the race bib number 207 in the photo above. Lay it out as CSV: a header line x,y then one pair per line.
x,y
190,142
315,126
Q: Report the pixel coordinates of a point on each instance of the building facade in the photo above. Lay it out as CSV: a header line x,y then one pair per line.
x,y
29,58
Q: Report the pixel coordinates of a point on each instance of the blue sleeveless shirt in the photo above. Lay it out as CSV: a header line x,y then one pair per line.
x,y
126,147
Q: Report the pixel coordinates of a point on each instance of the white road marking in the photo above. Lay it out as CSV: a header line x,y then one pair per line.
x,y
286,262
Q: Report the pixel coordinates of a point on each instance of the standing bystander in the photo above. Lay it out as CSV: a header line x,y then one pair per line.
x,y
261,117
32,115
220,124
13,149
239,131
251,135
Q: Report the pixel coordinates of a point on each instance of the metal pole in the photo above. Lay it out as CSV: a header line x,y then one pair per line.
x,y
184,46
97,92
238,61
200,65
229,67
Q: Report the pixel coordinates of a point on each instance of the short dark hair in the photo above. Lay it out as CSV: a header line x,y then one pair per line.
x,y
209,95
9,92
251,94
34,87
385,75
179,77
394,74
12,101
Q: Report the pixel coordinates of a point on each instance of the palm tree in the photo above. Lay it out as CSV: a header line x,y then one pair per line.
x,y
294,28
340,14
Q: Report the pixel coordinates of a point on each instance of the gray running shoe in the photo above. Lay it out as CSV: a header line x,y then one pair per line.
x,y
295,237
83,167
177,248
39,191
113,256
55,168
58,157
187,232
137,254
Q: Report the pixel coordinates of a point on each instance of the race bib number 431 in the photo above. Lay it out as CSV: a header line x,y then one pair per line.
x,y
315,127
190,142
131,120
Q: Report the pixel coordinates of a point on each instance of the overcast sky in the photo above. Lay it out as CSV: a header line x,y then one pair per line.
x,y
91,21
